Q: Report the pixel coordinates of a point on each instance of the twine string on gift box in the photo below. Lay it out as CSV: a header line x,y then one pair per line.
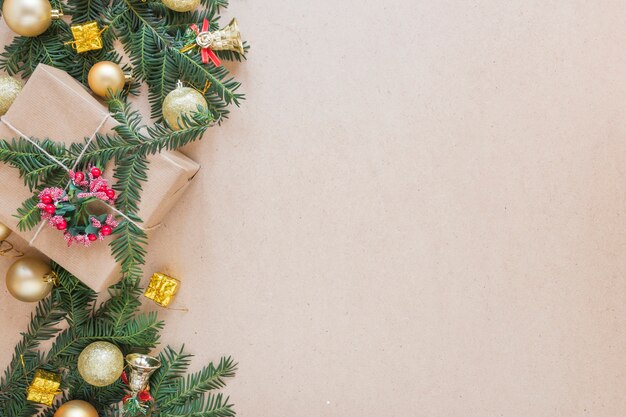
x,y
62,165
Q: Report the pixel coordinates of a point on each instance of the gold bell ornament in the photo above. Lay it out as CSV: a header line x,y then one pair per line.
x,y
7,247
141,368
30,279
182,101
29,17
226,39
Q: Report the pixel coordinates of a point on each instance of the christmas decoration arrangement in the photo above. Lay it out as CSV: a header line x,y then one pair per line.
x,y
99,365
89,175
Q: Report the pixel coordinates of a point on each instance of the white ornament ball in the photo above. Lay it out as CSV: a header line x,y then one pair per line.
x,y
101,363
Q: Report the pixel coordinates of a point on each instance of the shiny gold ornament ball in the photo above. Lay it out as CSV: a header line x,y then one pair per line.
x,y
101,363
27,280
182,100
181,5
76,408
9,89
27,17
5,232
106,75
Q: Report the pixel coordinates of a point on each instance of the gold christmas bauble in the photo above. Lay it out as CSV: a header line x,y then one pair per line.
x,y
182,100
28,280
76,408
101,363
106,75
5,232
27,17
9,89
181,5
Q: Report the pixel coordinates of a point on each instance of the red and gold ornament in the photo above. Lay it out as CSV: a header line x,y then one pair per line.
x,y
226,39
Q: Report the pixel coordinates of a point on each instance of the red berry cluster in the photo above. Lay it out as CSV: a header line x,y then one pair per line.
x,y
59,207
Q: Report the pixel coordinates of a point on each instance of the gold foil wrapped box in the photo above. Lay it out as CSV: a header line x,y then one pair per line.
x,y
44,387
162,289
87,37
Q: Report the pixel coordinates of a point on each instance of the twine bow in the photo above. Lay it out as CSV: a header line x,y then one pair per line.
x,y
204,39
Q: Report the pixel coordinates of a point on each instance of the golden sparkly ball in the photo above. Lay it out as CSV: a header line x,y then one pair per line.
x,y
182,100
101,363
27,17
76,408
9,89
27,280
181,5
5,232
105,75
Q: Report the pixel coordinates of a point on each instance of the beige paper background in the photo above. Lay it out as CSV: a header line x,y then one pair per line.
x,y
419,211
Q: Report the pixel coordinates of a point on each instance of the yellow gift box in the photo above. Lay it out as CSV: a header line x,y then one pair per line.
x,y
44,388
162,289
87,37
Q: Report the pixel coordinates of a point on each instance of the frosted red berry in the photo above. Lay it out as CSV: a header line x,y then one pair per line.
x,y
46,199
95,172
50,209
61,225
110,194
92,237
106,230
79,177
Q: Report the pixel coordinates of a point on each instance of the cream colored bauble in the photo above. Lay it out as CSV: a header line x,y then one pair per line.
x,y
76,408
5,232
182,100
101,363
106,75
181,5
9,89
27,17
29,279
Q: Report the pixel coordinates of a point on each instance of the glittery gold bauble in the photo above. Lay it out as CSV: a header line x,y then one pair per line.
x,y
29,279
101,363
181,5
182,100
27,17
76,408
5,232
106,75
9,89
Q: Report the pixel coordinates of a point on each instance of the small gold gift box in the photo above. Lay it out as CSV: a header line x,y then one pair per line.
x,y
87,37
162,289
44,388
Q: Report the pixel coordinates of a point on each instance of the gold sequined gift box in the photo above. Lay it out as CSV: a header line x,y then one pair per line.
x,y
87,37
162,289
44,387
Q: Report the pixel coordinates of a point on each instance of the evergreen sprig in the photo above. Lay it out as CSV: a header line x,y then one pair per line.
x,y
118,321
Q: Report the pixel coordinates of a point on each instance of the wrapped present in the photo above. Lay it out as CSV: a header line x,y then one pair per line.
x,y
162,289
44,387
87,37
54,105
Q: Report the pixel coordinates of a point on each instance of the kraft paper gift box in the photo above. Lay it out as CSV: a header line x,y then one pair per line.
x,y
54,105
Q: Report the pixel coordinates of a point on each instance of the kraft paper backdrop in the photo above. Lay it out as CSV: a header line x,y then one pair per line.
x,y
419,211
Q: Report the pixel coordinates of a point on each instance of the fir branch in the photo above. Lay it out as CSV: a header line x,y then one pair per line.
x,y
209,378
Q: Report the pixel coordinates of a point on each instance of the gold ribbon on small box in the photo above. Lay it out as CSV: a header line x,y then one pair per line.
x,y
87,37
162,289
44,388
